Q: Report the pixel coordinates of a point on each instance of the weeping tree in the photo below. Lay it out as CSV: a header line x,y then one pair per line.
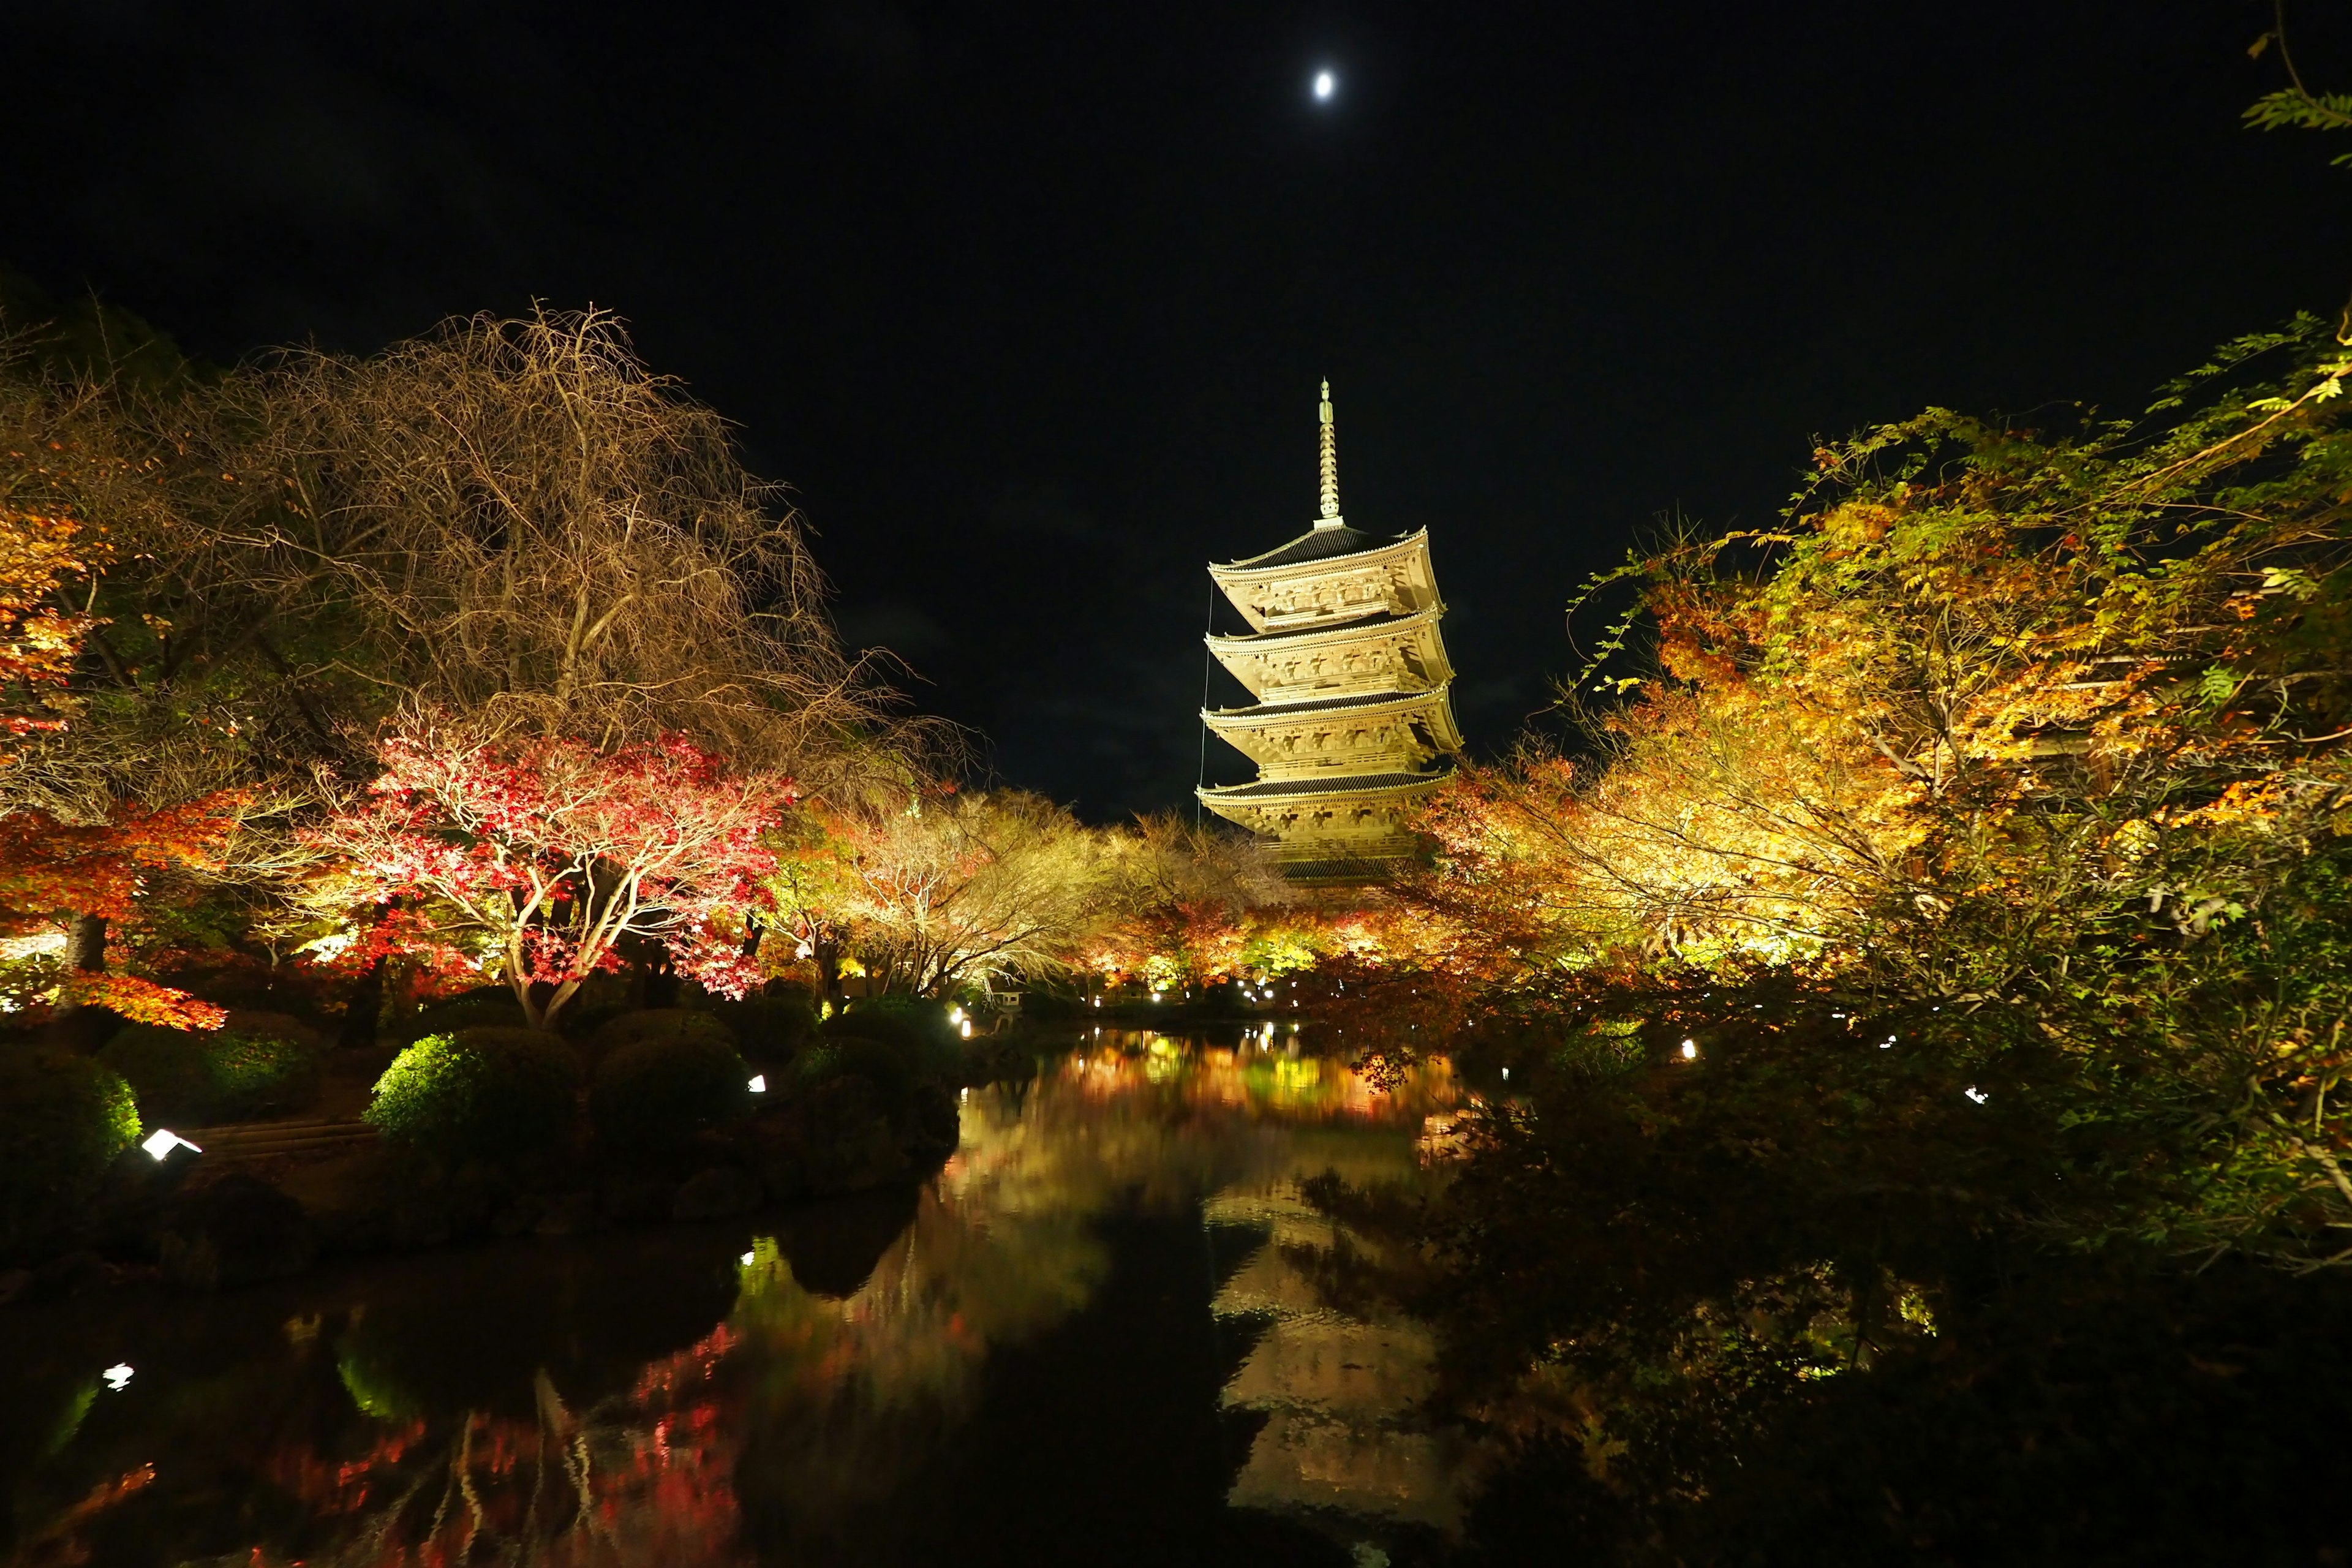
x,y
519,523
533,540
510,527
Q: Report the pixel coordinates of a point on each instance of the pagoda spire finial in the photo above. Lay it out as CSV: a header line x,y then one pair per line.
x,y
1330,465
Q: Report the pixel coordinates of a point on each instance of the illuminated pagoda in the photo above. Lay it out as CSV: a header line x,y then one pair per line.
x,y
1350,727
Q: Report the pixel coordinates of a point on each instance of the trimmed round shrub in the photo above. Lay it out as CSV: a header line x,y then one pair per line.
x,y
657,1092
484,1008
660,1024
165,1070
772,1026
218,1075
63,1120
889,1065
927,1043
488,1093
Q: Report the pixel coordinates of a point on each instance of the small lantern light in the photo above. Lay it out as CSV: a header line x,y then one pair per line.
x,y
1690,1050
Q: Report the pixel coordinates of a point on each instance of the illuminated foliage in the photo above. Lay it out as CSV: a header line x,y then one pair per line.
x,y
38,557
519,522
1186,904
50,869
540,856
969,888
63,1120
2026,755
489,1093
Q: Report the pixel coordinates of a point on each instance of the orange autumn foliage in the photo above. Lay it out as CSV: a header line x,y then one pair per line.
x,y
40,553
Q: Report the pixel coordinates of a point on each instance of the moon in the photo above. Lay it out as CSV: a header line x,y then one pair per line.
x,y
1325,84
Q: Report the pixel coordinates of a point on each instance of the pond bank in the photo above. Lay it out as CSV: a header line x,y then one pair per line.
x,y
1100,1328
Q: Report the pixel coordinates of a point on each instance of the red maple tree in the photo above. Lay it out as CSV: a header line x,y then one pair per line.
x,y
538,857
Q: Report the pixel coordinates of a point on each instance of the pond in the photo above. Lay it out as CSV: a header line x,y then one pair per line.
x,y
1110,1330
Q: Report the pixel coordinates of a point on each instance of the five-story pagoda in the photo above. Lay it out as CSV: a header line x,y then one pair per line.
x,y
1350,727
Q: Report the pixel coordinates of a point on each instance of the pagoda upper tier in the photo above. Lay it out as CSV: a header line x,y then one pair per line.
x,y
1351,726
1374,652
1329,574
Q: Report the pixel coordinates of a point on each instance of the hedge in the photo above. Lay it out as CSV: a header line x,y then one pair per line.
x,y
658,1091
660,1024
63,1118
488,1092
221,1075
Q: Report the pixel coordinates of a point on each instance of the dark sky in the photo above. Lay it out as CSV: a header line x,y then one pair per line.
x,y
1029,302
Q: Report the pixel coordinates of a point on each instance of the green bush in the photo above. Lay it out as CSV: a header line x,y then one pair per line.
x,y
490,1092
658,1091
771,1027
484,1008
927,1045
889,1065
660,1024
221,1075
165,1070
63,1120
254,1074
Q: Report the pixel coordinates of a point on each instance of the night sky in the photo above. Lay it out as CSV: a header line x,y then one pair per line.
x,y
1029,303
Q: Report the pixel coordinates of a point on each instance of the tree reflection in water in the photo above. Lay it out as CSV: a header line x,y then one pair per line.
x,y
512,1408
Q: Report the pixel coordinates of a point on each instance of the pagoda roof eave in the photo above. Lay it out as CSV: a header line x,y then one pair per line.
x,y
1427,616
1266,565
1281,712
1267,790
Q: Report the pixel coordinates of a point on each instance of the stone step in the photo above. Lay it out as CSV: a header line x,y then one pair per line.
x,y
256,1140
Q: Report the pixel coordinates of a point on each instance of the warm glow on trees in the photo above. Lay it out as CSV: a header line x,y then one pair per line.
x,y
519,523
1184,902
969,888
38,638
2047,738
539,856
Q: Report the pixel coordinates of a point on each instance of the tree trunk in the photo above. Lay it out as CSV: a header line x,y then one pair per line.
x,y
827,955
85,1025
655,980
86,944
357,1031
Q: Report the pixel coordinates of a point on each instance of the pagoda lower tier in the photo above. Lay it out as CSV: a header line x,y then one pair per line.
x,y
1333,828
1375,733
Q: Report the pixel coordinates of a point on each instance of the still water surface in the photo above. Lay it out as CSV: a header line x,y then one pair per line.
x,y
1109,1331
